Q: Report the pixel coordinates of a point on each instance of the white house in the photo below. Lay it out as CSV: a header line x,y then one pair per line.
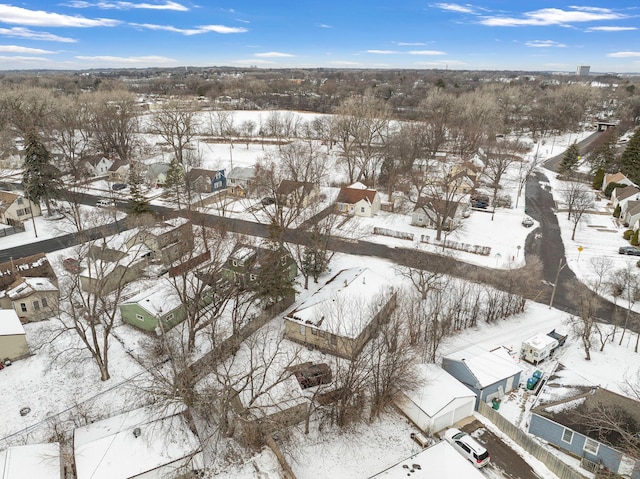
x,y
13,339
358,200
623,194
16,208
97,165
136,444
439,403
615,178
438,461
33,461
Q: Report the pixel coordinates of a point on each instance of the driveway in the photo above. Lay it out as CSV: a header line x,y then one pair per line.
x,y
505,462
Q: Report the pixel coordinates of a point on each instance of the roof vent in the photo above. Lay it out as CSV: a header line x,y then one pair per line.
x,y
137,432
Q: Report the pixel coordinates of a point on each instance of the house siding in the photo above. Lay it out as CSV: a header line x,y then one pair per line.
x,y
13,346
149,322
552,432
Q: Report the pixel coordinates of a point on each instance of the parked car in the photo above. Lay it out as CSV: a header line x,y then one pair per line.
x,y
119,186
105,203
314,375
479,204
632,250
467,446
421,439
527,222
71,264
267,200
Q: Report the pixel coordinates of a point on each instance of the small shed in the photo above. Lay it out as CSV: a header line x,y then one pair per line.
x,y
13,339
439,403
490,374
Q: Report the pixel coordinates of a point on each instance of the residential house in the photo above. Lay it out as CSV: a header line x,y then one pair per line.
x,y
11,158
615,178
298,194
623,194
430,211
244,264
566,424
29,286
206,181
13,339
489,374
119,171
240,182
33,461
112,264
438,461
342,315
168,240
96,165
160,308
15,208
358,200
439,402
143,443
631,214
156,174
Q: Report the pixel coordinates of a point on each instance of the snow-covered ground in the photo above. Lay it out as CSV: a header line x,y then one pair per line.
x,y
49,385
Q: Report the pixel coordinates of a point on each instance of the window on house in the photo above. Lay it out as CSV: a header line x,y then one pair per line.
x,y
20,200
139,317
23,307
252,277
20,212
420,218
169,317
591,446
567,436
27,211
334,339
313,331
44,303
234,262
36,306
362,209
303,330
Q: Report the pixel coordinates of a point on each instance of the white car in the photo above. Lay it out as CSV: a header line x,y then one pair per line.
x,y
468,447
105,203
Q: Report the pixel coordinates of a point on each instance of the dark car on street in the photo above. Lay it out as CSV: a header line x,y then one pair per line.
x,y
119,186
630,250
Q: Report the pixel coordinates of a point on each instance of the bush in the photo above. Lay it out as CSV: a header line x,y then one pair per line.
x,y
627,234
634,238
617,211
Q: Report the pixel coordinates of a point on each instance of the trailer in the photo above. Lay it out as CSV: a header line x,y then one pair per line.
x,y
541,346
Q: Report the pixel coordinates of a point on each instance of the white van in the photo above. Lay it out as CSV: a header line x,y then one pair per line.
x,y
105,203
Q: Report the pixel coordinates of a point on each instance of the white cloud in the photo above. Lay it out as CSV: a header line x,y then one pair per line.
x,y
20,32
192,31
324,25
382,52
343,63
624,54
167,5
410,44
253,61
19,49
24,59
554,16
146,60
40,18
544,44
273,55
610,29
454,7
426,52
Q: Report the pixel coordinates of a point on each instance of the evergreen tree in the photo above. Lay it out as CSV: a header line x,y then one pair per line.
x,y
630,158
175,180
138,203
40,178
598,178
604,156
570,159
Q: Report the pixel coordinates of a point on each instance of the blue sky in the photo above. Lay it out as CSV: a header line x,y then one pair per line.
x,y
492,35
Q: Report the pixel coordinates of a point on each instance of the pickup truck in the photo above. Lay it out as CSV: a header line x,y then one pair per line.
x,y
561,338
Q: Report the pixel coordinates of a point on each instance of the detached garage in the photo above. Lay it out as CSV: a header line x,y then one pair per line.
x,y
13,340
439,403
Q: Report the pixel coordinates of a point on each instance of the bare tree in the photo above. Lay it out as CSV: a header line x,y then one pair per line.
x,y
585,323
114,123
580,200
176,123
500,156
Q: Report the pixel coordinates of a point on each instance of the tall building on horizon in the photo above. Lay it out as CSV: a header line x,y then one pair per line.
x,y
583,70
